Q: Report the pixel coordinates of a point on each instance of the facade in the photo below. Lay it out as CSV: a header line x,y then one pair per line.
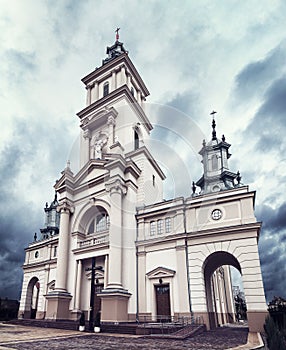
x,y
111,243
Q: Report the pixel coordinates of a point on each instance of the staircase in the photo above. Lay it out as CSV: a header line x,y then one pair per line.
x,y
71,325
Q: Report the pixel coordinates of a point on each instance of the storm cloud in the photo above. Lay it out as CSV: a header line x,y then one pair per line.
x,y
226,57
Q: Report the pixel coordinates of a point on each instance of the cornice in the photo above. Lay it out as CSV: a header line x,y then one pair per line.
x,y
119,92
39,264
109,66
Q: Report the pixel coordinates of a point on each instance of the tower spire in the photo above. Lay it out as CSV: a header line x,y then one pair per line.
x,y
213,125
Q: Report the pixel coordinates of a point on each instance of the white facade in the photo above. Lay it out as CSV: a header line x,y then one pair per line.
x,y
122,249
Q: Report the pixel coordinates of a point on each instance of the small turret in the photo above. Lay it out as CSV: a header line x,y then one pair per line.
x,y
215,154
52,219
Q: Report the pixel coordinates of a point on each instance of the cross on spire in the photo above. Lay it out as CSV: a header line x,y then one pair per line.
x,y
117,34
213,125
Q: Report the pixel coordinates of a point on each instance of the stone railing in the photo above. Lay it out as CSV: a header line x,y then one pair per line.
x,y
92,241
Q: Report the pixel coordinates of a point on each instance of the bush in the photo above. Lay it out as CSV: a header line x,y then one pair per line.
x,y
275,337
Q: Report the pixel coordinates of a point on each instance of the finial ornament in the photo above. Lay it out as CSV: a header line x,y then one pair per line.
x,y
213,125
193,187
117,34
223,138
238,177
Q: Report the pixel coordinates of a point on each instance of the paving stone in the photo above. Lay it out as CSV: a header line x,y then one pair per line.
x,y
222,338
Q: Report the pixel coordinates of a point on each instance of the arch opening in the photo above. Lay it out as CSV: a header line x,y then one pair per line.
x,y
220,298
94,219
32,298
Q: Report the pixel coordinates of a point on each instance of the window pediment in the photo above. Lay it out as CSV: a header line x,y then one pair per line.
x,y
160,272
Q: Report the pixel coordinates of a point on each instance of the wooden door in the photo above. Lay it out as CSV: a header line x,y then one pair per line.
x,y
163,302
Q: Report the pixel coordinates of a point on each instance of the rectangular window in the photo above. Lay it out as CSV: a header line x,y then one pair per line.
x,y
168,225
105,89
152,228
55,251
160,227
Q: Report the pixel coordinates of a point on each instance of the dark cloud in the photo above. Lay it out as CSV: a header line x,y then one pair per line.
x,y
257,76
272,249
38,148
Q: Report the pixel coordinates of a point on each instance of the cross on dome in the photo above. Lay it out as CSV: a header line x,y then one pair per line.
x,y
117,34
213,125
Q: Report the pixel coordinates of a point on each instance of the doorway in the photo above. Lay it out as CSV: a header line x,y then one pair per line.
x,y
163,306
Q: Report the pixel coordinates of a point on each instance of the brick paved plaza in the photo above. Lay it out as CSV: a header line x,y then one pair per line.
x,y
30,338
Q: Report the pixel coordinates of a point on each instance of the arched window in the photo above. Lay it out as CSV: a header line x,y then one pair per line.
x,y
99,223
105,89
136,139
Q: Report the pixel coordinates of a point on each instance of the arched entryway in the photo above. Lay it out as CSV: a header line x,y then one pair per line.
x,y
32,298
218,287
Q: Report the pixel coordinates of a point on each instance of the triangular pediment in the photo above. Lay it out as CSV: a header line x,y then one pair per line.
x,y
160,272
92,171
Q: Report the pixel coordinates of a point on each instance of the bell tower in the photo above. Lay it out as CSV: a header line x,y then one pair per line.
x,y
113,120
215,154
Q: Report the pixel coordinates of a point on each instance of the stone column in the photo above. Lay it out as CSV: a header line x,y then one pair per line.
x,y
88,95
139,97
128,80
117,190
113,80
62,263
59,298
78,284
123,75
85,156
105,271
111,125
94,92
114,298
141,256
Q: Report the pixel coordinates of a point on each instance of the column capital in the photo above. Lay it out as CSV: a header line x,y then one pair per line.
x,y
111,120
116,186
87,134
65,207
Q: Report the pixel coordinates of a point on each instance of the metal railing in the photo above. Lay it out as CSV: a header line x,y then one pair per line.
x,y
162,324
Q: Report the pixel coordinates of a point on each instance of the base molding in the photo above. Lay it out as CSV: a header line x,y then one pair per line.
x,y
58,305
114,305
256,320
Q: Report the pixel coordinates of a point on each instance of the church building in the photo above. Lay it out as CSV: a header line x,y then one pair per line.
x,y
112,244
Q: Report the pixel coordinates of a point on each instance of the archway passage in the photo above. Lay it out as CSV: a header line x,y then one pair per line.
x,y
218,287
32,298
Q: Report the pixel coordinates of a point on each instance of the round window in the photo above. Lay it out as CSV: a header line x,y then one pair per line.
x,y
216,214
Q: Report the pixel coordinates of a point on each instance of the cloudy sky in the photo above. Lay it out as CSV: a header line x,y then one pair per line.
x,y
194,56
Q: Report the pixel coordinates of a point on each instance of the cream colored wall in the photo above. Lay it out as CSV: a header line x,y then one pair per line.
x,y
170,256
235,211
